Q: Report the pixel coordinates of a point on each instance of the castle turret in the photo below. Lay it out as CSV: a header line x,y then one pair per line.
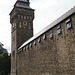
x,y
21,19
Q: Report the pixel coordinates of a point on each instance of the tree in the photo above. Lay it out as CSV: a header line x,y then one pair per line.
x,y
5,61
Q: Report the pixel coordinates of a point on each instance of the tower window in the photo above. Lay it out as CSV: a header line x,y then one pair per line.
x,y
51,33
21,16
68,23
30,17
20,25
13,25
59,29
25,17
44,36
29,25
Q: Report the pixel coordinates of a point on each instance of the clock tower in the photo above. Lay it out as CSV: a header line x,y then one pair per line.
x,y
21,19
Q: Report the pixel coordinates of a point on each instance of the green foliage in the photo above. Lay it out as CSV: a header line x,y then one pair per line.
x,y
5,61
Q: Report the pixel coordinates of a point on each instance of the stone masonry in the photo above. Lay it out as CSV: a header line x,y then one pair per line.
x,y
49,56
50,52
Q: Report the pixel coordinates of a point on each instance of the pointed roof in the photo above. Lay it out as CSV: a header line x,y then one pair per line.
x,y
26,7
18,4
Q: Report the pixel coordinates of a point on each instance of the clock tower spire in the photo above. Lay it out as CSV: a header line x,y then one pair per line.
x,y
21,19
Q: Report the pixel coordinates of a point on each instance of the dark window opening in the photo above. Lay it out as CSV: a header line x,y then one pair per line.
x,y
51,33
58,29
69,23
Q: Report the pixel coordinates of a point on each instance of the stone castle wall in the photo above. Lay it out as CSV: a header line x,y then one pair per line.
x,y
49,56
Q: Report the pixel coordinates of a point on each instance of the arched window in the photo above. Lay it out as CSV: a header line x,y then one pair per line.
x,y
30,17
25,17
29,25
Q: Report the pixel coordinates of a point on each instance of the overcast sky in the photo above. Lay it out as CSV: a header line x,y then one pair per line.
x,y
46,11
